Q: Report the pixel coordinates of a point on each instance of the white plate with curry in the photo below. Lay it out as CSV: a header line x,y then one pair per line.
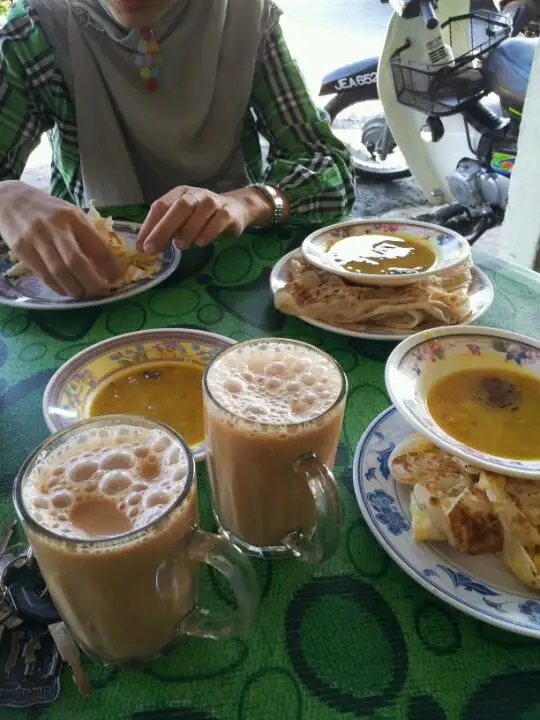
x,y
19,288
474,392
153,373
479,299
391,253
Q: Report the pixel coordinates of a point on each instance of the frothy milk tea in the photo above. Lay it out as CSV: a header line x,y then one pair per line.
x,y
267,403
121,600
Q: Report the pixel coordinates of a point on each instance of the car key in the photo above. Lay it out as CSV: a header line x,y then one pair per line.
x,y
26,593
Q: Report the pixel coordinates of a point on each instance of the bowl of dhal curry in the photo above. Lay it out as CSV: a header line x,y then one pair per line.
x,y
153,373
385,252
474,392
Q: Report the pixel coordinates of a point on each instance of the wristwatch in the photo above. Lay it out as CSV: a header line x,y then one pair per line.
x,y
276,200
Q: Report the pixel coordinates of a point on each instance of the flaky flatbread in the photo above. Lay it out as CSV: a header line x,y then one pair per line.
x,y
475,511
446,502
440,299
135,265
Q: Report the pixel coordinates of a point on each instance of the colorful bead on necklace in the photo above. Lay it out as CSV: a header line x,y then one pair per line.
x,y
147,58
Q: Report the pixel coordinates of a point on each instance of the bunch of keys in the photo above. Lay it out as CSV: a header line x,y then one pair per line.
x,y
27,608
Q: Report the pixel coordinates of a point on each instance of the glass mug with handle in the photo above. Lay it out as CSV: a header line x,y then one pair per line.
x,y
109,507
273,411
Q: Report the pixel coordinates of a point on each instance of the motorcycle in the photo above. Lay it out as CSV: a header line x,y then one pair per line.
x,y
480,142
358,120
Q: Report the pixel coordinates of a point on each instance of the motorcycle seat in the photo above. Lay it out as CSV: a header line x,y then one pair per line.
x,y
507,70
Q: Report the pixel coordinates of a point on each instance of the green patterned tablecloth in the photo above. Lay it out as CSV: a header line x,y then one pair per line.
x,y
355,638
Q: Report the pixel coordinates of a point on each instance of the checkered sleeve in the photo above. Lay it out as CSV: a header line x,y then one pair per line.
x,y
305,160
22,119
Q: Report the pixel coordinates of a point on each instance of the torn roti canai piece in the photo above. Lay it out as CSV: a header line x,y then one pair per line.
x,y
441,299
475,511
135,265
517,505
446,501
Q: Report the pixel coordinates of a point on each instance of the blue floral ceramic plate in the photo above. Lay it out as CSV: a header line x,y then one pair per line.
x,y
323,247
480,585
480,300
29,293
420,361
70,391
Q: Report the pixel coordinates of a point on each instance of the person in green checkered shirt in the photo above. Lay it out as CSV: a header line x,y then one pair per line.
x,y
159,103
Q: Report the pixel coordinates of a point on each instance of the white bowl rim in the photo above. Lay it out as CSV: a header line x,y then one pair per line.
x,y
404,347
203,334
361,278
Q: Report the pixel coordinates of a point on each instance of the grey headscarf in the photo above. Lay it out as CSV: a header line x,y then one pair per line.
x,y
136,145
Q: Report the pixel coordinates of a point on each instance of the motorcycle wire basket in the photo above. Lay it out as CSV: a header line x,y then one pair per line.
x,y
443,89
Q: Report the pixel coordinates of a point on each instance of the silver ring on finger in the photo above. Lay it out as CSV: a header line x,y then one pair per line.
x,y
197,198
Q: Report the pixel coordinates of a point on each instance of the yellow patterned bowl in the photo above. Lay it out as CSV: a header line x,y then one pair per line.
x,y
69,393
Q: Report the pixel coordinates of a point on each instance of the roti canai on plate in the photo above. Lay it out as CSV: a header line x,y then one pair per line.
x,y
440,299
475,511
135,265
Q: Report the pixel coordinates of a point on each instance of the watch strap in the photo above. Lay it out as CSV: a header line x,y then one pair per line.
x,y
278,204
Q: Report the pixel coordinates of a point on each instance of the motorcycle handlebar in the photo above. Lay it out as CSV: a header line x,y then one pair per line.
x,y
428,13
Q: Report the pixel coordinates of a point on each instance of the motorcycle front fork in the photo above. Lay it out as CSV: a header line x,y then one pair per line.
x,y
386,143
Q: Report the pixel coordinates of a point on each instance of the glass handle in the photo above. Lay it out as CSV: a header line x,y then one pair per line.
x,y
231,562
323,540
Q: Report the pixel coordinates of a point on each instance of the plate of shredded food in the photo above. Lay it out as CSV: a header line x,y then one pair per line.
x,y
468,536
457,296
20,288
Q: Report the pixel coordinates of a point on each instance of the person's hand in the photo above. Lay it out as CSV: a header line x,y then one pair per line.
x,y
190,215
56,241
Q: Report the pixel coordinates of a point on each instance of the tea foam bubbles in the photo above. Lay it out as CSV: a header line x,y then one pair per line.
x,y
127,470
273,383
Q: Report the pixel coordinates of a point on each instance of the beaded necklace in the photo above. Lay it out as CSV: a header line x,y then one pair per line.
x,y
147,58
